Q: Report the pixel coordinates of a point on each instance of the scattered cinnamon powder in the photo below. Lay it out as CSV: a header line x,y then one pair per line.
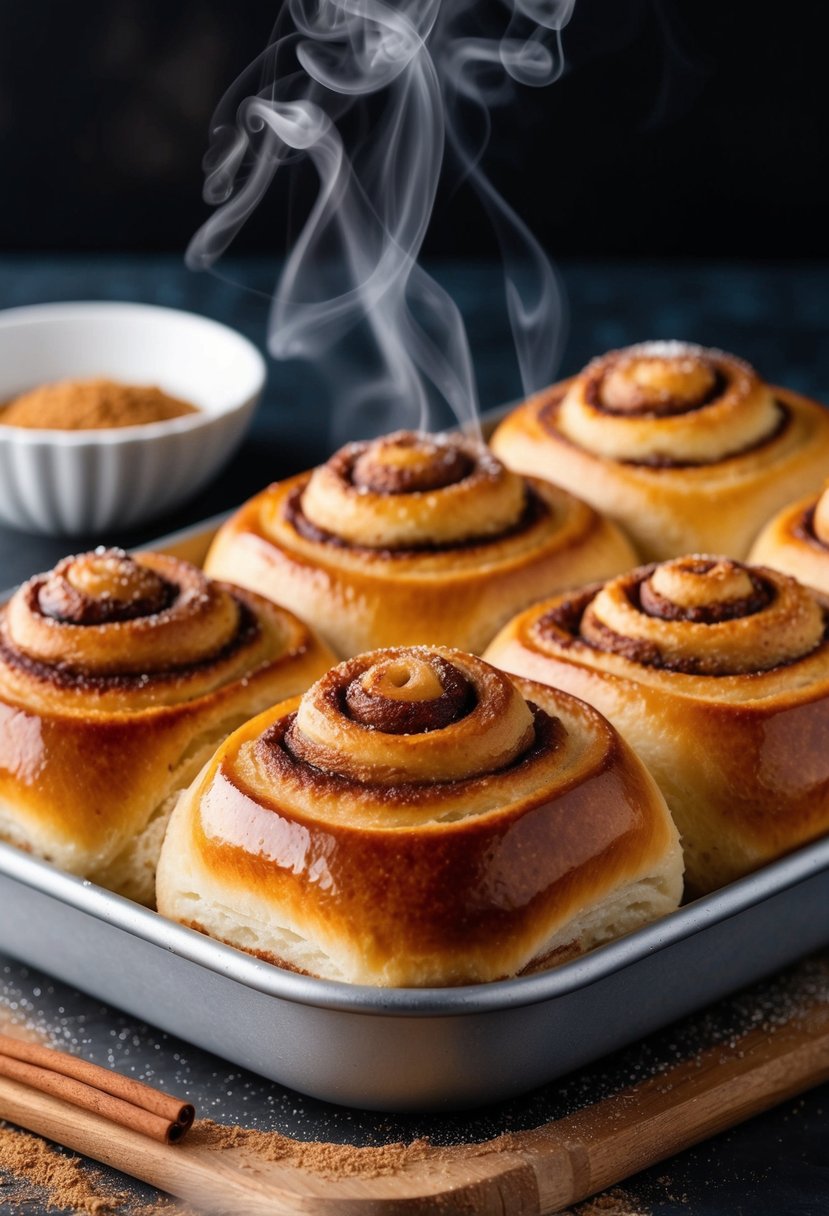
x,y
615,1202
39,1173
73,405
67,1181
331,1160
336,1161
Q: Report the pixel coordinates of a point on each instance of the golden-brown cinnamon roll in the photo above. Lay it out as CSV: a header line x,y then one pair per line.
x,y
420,818
686,448
796,541
718,674
118,677
412,539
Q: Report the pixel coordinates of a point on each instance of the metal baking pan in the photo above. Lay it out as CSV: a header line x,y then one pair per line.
x,y
409,1049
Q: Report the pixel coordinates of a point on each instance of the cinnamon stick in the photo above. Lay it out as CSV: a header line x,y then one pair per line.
x,y
120,1099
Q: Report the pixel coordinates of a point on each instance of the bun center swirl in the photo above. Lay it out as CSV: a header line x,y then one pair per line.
x,y
411,489
106,585
705,615
408,463
415,715
700,589
409,695
107,613
657,384
668,403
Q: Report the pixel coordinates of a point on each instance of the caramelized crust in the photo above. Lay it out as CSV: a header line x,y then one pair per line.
x,y
796,541
470,849
118,676
726,701
413,539
686,448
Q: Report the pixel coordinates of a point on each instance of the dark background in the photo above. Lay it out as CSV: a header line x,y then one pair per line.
x,y
679,130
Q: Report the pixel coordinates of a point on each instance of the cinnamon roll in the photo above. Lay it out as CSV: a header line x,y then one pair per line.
x,y
420,818
796,541
686,448
413,539
119,675
718,674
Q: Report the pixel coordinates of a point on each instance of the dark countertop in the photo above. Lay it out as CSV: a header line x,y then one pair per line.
x,y
777,1164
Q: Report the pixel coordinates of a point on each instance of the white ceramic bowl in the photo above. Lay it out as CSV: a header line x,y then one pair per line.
x,y
67,482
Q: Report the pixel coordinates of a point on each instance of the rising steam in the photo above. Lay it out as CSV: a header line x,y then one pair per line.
x,y
427,78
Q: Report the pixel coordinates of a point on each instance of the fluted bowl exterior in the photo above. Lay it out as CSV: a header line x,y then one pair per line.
x,y
64,482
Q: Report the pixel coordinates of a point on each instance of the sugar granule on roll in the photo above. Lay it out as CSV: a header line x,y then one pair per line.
x,y
119,675
420,818
718,674
687,448
414,538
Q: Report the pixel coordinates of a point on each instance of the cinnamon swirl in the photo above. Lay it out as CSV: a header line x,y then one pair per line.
x,y
685,447
718,674
412,539
118,677
796,541
420,818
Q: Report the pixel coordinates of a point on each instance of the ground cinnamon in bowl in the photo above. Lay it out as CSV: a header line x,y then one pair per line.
x,y
73,405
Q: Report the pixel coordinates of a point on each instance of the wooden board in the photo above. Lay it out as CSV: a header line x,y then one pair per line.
x,y
523,1174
